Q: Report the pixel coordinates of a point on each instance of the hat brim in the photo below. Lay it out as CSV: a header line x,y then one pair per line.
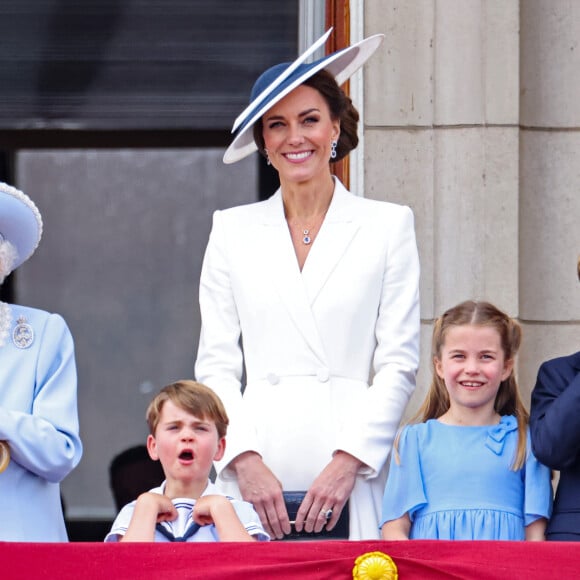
x,y
242,117
20,222
342,64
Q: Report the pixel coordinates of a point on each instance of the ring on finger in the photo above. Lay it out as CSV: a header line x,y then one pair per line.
x,y
326,513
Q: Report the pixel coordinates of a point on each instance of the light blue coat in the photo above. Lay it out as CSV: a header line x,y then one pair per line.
x,y
39,420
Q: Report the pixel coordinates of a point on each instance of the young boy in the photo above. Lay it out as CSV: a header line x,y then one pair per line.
x,y
187,424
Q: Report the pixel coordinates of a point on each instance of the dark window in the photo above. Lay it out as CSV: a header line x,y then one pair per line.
x,y
137,64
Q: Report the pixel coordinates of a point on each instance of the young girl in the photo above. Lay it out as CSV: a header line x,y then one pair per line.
x,y
466,471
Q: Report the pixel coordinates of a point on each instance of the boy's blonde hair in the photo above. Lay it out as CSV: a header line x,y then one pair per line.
x,y
193,398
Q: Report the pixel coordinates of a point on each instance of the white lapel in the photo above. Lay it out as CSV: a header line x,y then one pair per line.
x,y
332,241
298,290
281,267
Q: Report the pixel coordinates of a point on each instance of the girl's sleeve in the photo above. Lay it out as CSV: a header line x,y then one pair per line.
x,y
404,492
537,489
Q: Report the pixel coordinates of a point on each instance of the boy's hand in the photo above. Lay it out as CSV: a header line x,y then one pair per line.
x,y
155,503
219,511
150,509
208,507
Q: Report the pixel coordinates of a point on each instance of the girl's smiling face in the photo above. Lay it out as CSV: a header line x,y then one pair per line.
x,y
297,132
472,365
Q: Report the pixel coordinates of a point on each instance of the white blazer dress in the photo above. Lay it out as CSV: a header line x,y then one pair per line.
x,y
329,354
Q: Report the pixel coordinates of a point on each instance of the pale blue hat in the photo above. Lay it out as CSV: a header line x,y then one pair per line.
x,y
20,222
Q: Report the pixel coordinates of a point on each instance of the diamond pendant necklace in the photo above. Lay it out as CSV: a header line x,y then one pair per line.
x,y
308,232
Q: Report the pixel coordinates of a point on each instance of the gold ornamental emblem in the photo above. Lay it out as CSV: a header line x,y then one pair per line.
x,y
374,566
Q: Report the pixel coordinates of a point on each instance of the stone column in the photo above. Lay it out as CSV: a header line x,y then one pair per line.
x,y
441,135
549,182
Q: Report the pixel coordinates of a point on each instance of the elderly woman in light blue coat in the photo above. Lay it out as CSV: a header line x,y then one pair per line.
x,y
39,427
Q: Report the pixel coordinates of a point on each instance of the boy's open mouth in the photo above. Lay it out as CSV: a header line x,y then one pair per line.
x,y
186,455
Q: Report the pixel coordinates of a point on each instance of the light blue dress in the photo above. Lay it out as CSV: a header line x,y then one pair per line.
x,y
39,419
456,483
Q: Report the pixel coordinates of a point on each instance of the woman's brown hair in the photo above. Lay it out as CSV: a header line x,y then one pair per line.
x,y
341,109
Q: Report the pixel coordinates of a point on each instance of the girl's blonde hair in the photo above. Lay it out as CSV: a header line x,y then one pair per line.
x,y
508,400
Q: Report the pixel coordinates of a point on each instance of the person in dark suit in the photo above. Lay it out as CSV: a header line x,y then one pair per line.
x,y
555,434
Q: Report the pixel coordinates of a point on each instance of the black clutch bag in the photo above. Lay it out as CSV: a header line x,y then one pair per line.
x,y
293,499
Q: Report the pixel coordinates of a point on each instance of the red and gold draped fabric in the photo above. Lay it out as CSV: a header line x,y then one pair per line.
x,y
333,560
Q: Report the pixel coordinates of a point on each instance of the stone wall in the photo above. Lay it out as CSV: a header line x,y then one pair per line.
x,y
472,118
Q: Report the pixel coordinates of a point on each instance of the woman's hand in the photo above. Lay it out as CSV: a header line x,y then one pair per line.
x,y
259,486
329,491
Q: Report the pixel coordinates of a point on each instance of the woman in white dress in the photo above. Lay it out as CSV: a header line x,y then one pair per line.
x,y
314,293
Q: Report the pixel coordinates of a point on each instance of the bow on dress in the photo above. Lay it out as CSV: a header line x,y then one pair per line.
x,y
497,434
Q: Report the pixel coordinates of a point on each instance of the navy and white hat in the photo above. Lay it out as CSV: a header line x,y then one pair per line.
x,y
20,222
276,82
